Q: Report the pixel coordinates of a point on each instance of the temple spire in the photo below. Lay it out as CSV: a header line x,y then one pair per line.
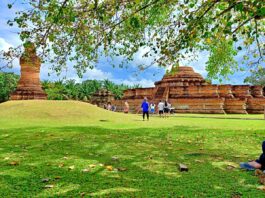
x,y
29,85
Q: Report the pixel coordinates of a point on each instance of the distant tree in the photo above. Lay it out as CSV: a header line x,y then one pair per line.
x,y
72,89
256,77
170,30
89,87
8,84
55,90
116,89
136,86
64,90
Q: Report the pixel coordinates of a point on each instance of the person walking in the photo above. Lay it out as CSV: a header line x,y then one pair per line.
x,y
166,109
109,106
113,108
145,108
160,108
126,107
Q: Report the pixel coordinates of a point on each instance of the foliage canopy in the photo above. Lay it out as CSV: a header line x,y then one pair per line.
x,y
171,30
257,77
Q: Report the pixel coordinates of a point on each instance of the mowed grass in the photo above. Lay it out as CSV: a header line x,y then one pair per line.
x,y
123,156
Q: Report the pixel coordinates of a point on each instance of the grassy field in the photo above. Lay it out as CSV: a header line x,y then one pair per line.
x,y
73,149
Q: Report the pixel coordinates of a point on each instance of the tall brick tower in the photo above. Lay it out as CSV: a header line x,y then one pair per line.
x,y
29,86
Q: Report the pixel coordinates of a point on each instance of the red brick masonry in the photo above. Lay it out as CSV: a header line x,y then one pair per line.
x,y
29,86
188,92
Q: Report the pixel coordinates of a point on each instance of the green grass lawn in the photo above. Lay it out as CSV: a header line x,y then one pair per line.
x,y
123,156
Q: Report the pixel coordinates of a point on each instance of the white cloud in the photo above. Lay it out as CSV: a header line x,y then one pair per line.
x,y
91,74
199,64
133,81
4,45
97,74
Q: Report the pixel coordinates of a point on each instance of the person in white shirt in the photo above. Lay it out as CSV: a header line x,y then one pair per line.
x,y
160,108
109,106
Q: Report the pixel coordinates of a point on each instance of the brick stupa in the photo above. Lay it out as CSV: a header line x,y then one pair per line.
x,y
29,86
188,92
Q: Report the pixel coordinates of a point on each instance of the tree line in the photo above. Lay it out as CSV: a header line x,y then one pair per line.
x,y
72,90
64,89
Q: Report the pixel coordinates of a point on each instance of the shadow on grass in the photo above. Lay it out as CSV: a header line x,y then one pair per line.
x,y
149,159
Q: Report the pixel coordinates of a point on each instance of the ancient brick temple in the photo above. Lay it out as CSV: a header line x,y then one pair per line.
x,y
188,92
101,97
29,86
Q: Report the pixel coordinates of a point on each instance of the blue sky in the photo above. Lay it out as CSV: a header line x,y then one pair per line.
x,y
103,70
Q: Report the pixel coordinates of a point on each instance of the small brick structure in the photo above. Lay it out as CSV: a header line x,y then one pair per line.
x,y
29,85
189,92
102,97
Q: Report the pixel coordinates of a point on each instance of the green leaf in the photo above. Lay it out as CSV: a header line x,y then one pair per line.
x,y
134,22
239,7
9,6
192,5
221,6
261,11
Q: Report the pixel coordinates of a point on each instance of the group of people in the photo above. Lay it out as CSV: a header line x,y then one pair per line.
x,y
109,107
164,108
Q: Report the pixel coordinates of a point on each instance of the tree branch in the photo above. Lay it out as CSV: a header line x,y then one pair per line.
x,y
44,39
257,40
242,24
208,9
227,9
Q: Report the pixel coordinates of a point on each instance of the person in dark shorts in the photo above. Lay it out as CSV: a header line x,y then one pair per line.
x,y
160,108
145,108
256,164
166,109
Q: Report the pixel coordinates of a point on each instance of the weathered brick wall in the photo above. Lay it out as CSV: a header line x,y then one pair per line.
x,y
198,105
255,105
235,105
241,91
257,91
225,91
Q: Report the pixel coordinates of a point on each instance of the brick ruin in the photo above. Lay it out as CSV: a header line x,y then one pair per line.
x,y
188,92
29,86
102,97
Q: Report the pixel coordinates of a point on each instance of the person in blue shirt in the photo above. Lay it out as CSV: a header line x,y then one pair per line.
x,y
145,108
